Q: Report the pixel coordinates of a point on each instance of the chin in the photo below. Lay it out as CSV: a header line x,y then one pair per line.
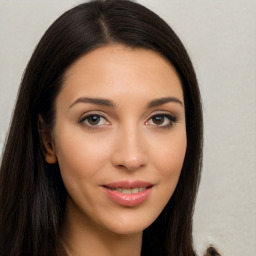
x,y
128,229
125,224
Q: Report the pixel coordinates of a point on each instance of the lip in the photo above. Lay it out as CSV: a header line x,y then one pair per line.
x,y
130,200
129,184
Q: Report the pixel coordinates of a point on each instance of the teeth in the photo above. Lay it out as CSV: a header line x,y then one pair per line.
x,y
129,190
135,190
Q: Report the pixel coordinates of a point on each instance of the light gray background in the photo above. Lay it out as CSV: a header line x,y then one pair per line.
x,y
220,36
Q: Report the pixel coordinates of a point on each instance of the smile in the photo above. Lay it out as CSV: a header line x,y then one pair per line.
x,y
128,190
126,193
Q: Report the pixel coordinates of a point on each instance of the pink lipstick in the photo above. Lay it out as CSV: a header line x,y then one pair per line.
x,y
128,193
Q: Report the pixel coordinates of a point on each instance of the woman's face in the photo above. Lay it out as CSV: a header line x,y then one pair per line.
x,y
119,137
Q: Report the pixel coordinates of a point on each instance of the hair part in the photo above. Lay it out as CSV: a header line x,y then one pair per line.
x,y
32,194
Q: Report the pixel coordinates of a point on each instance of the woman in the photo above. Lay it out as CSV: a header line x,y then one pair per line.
x,y
104,150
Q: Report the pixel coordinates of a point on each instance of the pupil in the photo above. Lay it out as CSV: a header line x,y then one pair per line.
x,y
158,119
94,119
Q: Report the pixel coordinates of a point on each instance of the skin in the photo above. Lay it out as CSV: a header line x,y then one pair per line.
x,y
123,143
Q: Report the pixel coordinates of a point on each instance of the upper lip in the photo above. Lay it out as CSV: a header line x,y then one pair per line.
x,y
129,184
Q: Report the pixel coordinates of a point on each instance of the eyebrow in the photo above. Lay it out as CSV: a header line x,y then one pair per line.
x,y
162,101
110,103
96,101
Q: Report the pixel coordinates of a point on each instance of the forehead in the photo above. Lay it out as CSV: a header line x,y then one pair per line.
x,y
110,71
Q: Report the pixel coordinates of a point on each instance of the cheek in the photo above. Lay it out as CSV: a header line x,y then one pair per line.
x,y
80,159
170,154
79,153
168,161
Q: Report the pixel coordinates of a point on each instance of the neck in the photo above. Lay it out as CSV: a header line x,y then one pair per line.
x,y
86,238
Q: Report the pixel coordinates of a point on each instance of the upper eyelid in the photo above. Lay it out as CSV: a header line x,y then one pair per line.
x,y
94,112
162,112
167,115
86,116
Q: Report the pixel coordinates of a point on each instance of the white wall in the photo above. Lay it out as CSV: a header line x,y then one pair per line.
x,y
220,36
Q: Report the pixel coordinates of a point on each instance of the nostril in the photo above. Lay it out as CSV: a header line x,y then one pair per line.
x,y
130,166
129,157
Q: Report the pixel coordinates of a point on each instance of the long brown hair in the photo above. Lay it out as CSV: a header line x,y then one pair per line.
x,y
32,194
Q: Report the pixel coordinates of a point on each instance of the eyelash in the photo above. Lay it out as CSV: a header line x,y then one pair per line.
x,y
84,121
171,120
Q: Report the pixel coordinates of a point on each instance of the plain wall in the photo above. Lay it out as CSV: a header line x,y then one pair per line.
x,y
220,36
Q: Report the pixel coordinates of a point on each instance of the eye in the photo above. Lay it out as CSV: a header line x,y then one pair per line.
x,y
162,120
94,120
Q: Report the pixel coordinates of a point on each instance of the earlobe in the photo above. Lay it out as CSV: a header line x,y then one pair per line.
x,y
50,158
46,142
49,153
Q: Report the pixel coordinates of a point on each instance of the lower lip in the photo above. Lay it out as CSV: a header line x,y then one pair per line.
x,y
128,199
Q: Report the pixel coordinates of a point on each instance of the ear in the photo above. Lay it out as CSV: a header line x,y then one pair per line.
x,y
46,142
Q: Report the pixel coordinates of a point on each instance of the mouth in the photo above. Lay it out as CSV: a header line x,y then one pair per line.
x,y
127,193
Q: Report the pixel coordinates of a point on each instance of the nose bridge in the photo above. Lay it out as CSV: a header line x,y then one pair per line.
x,y
130,150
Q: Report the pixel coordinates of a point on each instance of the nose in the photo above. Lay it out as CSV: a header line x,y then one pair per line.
x,y
129,152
